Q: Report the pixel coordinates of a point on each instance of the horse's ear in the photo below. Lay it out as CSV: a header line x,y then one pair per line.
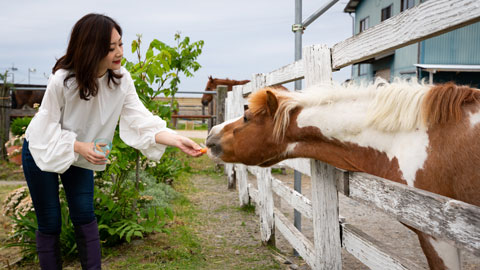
x,y
210,78
272,103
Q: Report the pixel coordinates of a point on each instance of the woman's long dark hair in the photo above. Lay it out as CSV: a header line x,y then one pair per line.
x,y
89,44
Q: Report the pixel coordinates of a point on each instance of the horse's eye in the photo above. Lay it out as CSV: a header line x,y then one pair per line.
x,y
245,118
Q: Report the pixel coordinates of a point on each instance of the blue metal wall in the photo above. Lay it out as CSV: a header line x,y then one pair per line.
x,y
459,47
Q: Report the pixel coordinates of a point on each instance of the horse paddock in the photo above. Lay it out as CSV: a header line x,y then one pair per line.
x,y
390,234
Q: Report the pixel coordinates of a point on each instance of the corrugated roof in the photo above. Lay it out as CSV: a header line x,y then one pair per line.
x,y
351,6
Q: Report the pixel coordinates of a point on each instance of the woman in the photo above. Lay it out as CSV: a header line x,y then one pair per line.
x,y
86,95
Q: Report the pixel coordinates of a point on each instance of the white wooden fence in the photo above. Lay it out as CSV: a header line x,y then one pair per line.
x,y
442,217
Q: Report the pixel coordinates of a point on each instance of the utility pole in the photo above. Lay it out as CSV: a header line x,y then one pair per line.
x,y
298,29
13,69
30,70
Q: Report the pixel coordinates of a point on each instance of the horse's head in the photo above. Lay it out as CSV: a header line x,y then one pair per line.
x,y
255,138
211,86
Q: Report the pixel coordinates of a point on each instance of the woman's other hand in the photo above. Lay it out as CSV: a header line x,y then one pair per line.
x,y
85,149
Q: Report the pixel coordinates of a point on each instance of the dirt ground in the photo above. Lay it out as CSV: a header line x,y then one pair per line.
x,y
232,234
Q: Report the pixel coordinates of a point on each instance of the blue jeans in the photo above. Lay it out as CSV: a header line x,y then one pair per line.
x,y
44,190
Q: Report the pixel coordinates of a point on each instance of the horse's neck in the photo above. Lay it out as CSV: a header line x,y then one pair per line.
x,y
338,133
351,157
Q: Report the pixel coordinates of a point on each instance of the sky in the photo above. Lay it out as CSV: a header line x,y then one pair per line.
x,y
241,37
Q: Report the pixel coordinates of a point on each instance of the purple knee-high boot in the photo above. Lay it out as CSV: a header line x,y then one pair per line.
x,y
48,249
88,243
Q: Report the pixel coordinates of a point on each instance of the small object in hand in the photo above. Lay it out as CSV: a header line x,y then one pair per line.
x,y
204,150
103,146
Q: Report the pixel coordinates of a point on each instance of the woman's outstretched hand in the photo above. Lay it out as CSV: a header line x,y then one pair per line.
x,y
85,149
189,147
183,143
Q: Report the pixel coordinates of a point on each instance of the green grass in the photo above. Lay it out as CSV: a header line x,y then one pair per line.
x,y
10,171
249,208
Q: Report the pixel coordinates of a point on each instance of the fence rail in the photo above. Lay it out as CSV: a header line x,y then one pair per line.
x,y
445,218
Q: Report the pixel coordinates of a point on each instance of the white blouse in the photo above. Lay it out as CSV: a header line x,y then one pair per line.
x,y
64,118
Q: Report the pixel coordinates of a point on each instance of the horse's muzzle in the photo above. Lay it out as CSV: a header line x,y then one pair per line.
x,y
214,147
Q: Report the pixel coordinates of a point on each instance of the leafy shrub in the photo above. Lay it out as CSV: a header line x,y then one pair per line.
x,y
169,167
122,213
155,193
19,125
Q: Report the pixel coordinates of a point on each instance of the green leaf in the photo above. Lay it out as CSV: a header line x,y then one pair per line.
x,y
149,54
169,212
129,235
151,213
134,46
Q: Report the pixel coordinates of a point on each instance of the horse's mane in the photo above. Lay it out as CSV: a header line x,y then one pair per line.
x,y
395,107
443,103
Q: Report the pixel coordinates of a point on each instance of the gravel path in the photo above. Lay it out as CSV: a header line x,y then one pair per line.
x,y
11,183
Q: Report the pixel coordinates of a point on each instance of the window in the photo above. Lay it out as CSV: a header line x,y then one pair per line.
x,y
386,13
363,69
406,4
364,24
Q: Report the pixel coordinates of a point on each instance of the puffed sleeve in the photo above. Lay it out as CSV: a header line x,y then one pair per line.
x,y
138,125
50,145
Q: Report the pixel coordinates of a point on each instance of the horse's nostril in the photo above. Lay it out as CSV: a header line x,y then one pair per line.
x,y
211,142
210,145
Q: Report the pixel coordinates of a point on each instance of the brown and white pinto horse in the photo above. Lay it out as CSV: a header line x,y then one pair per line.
x,y
212,85
420,135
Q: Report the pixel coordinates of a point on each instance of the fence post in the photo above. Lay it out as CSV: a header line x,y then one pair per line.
x,y
265,199
240,169
264,182
220,97
230,167
5,107
236,173
211,121
242,180
203,113
326,230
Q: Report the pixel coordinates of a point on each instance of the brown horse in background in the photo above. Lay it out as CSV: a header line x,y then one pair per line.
x,y
24,99
423,136
212,85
